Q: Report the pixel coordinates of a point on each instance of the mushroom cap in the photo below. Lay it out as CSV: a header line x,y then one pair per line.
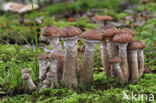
x,y
28,8
70,31
42,56
143,45
53,55
108,27
103,17
16,7
92,34
25,70
25,76
128,30
47,82
8,6
49,74
134,45
115,59
50,31
109,32
122,38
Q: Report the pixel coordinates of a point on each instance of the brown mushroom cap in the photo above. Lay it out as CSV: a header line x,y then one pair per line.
x,y
92,34
115,59
103,17
42,56
70,31
50,31
49,74
55,55
25,70
134,45
122,38
143,45
109,32
128,31
25,76
47,82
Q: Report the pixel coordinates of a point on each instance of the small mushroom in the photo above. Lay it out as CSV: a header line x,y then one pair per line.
x,y
54,60
91,37
115,61
102,20
22,10
141,58
25,70
46,84
52,34
122,42
107,33
43,65
69,36
133,60
30,83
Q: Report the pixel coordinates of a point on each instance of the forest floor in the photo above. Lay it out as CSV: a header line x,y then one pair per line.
x,y
17,51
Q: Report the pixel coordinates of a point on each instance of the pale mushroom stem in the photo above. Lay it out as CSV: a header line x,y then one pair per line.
x,y
30,84
21,18
113,52
55,43
133,65
118,70
53,69
69,72
76,58
105,57
112,48
124,61
86,71
141,62
43,65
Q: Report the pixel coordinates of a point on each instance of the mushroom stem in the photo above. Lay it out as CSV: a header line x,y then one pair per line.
x,y
69,73
51,81
124,61
105,57
53,69
76,58
29,81
112,48
133,65
141,61
31,84
43,65
55,43
86,71
118,70
21,18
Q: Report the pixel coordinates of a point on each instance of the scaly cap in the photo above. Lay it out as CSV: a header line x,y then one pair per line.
x,y
70,31
122,38
25,70
92,34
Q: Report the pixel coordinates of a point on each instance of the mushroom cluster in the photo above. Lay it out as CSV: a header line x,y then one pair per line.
x,y
122,57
